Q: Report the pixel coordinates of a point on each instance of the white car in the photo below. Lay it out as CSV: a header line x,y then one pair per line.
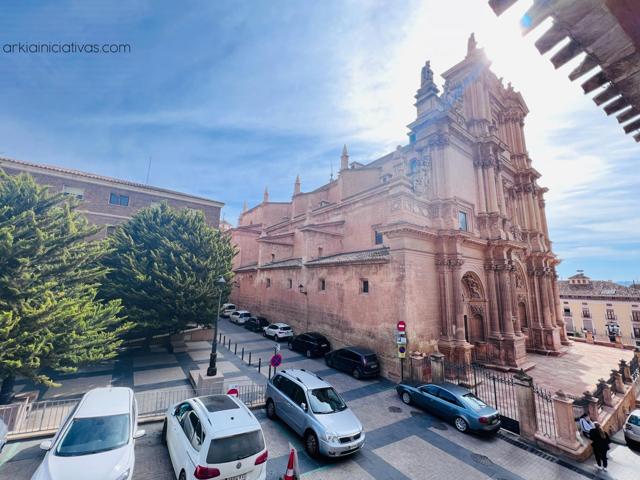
x,y
227,309
278,331
215,436
632,428
240,317
96,440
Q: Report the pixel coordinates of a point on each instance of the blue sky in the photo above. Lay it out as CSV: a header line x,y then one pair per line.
x,y
226,97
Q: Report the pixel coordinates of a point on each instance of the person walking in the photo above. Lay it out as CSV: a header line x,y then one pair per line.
x,y
586,425
600,442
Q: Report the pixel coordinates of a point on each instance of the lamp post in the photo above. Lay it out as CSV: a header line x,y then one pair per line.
x,y
302,290
212,371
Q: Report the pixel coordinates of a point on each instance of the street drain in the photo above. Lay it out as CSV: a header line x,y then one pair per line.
x,y
481,459
395,409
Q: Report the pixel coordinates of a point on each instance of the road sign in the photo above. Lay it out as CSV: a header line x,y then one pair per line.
x,y
276,360
233,390
402,351
401,326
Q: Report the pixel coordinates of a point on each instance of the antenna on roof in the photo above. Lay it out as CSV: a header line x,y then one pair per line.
x,y
148,171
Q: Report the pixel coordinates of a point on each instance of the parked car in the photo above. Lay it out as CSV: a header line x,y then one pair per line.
x,y
277,331
4,430
360,362
96,439
312,344
316,412
256,324
227,310
215,436
632,429
454,403
240,317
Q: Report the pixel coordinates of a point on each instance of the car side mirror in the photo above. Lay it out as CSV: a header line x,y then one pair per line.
x,y
46,445
303,406
139,433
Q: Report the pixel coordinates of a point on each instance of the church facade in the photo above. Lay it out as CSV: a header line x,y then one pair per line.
x,y
447,233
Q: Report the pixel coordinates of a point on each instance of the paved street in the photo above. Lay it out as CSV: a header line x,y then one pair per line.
x,y
402,442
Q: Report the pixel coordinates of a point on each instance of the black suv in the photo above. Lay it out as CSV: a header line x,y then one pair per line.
x,y
312,344
358,361
256,324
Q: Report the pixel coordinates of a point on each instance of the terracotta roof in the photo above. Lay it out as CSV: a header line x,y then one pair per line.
x,y
376,255
18,164
247,268
598,289
288,263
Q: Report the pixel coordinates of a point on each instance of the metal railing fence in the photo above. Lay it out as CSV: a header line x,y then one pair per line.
x,y
48,415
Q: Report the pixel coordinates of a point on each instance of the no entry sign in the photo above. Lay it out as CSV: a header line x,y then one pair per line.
x,y
276,360
401,326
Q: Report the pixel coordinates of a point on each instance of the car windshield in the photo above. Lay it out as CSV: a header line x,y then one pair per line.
x,y
326,400
473,401
237,447
634,420
86,436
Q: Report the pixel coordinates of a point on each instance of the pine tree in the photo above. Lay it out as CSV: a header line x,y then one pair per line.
x,y
164,266
50,272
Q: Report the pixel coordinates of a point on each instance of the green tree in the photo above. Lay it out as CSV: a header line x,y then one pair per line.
x,y
50,271
164,266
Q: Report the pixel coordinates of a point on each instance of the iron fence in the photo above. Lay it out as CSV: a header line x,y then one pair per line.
x,y
545,414
48,415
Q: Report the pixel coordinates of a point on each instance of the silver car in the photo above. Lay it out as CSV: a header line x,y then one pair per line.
x,y
316,412
632,429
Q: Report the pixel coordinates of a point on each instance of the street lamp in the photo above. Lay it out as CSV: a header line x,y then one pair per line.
x,y
212,371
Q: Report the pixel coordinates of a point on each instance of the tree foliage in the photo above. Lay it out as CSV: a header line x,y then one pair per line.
x,y
164,266
49,276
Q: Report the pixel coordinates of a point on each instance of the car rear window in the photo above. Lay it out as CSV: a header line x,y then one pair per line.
x,y
285,329
634,420
236,447
474,402
371,358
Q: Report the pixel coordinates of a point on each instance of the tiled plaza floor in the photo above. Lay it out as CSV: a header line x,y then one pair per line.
x,y
579,369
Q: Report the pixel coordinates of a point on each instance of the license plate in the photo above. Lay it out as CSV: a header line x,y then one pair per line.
x,y
324,345
373,365
238,477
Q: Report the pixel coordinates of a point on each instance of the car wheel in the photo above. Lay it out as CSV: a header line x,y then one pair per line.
x,y
328,362
183,476
356,374
311,444
264,334
271,410
461,424
164,432
406,398
309,354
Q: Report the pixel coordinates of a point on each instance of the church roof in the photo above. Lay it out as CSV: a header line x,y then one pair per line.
x,y
376,255
288,263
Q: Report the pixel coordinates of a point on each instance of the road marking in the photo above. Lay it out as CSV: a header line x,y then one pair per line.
x,y
11,452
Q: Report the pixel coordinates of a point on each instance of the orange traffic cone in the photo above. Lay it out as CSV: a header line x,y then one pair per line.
x,y
290,474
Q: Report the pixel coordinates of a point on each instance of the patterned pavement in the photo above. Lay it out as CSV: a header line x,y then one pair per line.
x,y
402,442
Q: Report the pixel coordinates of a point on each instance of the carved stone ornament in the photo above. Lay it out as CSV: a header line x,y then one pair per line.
x,y
477,310
420,175
473,286
519,280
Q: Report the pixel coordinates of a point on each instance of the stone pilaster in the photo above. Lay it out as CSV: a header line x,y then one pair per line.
x,y
565,423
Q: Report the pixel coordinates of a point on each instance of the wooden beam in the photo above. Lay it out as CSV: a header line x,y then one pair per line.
x,y
636,137
594,82
607,95
550,38
500,6
566,53
630,127
616,105
628,115
588,63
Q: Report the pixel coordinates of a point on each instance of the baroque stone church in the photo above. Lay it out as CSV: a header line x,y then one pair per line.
x,y
447,233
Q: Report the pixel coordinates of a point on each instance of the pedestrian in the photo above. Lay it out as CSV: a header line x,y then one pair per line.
x,y
586,425
600,442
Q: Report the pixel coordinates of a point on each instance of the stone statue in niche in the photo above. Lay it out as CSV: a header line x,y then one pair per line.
x,y
519,279
420,174
473,286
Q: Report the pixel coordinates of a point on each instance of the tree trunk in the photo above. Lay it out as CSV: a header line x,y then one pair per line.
x,y
6,391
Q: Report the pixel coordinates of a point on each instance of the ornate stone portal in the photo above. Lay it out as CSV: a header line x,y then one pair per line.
x,y
447,233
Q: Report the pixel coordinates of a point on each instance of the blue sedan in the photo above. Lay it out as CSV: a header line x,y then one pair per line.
x,y
454,403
